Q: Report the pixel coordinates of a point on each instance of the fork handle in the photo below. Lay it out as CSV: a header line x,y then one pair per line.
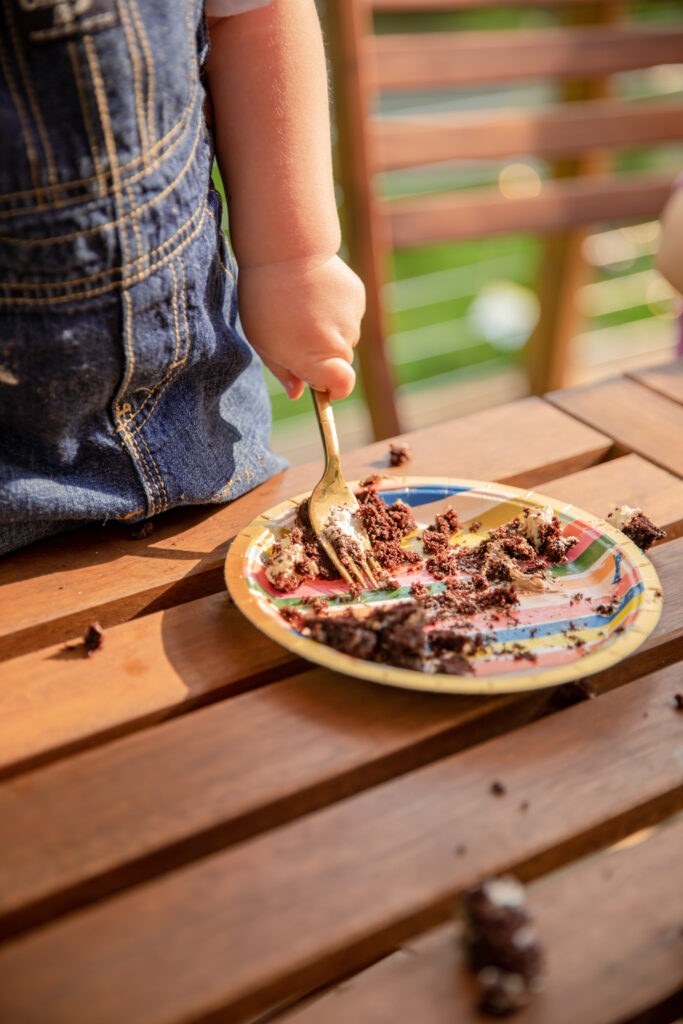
x,y
328,430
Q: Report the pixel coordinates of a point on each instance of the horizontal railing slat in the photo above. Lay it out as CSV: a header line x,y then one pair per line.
x,y
562,130
560,204
451,59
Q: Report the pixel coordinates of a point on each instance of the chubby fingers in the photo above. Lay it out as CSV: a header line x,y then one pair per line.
x,y
334,375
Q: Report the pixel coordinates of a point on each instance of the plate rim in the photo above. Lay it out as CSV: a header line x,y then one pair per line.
x,y
389,675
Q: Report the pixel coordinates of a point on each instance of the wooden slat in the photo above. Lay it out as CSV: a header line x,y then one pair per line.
x,y
53,702
561,204
636,417
51,591
560,130
113,816
297,907
629,480
667,380
168,662
610,928
436,60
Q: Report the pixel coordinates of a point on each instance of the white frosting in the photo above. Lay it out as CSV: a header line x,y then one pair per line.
x,y
621,517
505,892
282,565
532,522
344,520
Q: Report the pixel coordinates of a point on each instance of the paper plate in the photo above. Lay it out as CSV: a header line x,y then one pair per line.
x,y
604,568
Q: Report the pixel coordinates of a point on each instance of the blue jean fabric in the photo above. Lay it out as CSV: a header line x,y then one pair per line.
x,y
127,386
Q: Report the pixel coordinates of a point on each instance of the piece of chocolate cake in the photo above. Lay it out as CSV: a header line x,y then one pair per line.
x,y
631,521
501,944
399,454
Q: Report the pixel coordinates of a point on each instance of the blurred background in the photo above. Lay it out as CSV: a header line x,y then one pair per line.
x,y
459,317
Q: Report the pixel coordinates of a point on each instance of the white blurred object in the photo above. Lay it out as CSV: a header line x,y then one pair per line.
x,y
504,314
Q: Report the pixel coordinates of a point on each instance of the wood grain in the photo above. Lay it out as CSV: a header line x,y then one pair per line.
x,y
560,130
50,592
303,904
435,60
53,701
610,929
667,380
296,745
562,204
639,419
629,480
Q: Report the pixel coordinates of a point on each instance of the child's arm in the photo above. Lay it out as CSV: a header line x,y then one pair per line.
x,y
301,306
670,255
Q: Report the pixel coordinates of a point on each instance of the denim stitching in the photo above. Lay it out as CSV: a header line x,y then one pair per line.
x,y
114,224
122,270
176,365
90,293
163,502
33,103
184,120
31,153
87,120
170,373
137,78
149,63
105,120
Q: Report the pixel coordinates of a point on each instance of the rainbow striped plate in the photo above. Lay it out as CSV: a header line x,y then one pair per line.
x,y
605,569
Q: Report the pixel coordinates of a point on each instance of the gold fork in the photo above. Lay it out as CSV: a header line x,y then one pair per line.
x,y
333,493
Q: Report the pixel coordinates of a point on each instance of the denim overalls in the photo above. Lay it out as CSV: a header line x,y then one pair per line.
x,y
126,384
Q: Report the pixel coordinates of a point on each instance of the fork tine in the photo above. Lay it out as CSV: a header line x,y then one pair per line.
x,y
374,564
338,564
358,574
368,572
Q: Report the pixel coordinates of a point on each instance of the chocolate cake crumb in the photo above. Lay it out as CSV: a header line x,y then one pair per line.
x,y
460,850
524,806
642,531
497,788
92,642
399,454
608,609
294,617
94,638
678,701
501,945
141,530
371,481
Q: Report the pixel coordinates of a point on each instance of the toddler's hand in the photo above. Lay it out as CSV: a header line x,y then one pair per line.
x,y
303,318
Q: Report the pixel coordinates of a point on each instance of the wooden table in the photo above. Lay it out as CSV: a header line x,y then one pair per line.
x,y
196,827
